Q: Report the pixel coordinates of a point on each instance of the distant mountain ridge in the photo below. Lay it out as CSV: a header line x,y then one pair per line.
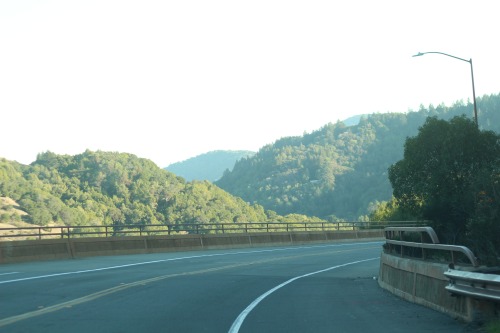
x,y
209,166
354,120
212,165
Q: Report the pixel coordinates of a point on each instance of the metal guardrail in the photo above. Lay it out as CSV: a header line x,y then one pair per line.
x,y
41,232
452,249
402,245
475,285
391,232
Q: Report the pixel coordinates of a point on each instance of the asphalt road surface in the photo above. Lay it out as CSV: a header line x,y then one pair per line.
x,y
315,288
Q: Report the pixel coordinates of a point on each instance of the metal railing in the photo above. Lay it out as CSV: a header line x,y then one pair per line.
x,y
473,284
44,232
399,232
425,250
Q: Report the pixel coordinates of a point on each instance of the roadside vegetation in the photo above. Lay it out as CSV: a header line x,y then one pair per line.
x,y
450,176
493,327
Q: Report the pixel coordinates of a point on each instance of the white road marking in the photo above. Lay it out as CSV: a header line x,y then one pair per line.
x,y
180,258
235,327
9,273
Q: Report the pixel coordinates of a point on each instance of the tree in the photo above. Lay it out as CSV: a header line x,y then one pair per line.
x,y
484,226
438,177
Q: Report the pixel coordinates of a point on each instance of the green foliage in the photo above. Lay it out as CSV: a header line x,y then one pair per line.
x,y
388,211
493,326
105,188
293,218
450,175
484,226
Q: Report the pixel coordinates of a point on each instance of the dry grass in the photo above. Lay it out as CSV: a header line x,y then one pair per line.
x,y
7,205
11,207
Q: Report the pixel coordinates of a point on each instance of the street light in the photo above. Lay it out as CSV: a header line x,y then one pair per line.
x,y
471,73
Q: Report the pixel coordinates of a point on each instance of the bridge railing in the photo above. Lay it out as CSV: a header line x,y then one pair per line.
x,y
473,284
45,232
402,241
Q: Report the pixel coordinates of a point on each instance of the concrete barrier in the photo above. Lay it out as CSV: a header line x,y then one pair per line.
x,y
50,249
16,251
424,283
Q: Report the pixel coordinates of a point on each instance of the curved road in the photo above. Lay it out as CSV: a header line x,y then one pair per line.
x,y
316,288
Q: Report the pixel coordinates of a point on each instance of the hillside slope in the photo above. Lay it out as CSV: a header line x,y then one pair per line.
x,y
96,188
339,171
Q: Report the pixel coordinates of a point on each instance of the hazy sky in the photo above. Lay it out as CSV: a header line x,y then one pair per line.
x,y
169,80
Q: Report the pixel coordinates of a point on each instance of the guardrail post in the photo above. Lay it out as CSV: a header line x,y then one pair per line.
x,y
223,228
169,226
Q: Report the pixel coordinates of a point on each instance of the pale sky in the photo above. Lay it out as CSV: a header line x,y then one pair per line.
x,y
168,80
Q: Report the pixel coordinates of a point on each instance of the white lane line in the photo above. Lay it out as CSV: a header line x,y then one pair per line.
x,y
179,258
235,327
9,273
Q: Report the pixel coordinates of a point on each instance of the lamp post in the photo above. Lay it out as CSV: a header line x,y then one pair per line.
x,y
471,73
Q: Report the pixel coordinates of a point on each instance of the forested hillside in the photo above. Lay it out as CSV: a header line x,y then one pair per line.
x,y
339,171
209,166
104,188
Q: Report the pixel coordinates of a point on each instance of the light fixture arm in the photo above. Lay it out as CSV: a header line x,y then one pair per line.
x,y
419,54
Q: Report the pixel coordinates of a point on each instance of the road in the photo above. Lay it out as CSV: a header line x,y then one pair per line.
x,y
315,288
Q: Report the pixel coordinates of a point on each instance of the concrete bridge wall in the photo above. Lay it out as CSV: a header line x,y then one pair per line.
x,y
424,283
50,249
